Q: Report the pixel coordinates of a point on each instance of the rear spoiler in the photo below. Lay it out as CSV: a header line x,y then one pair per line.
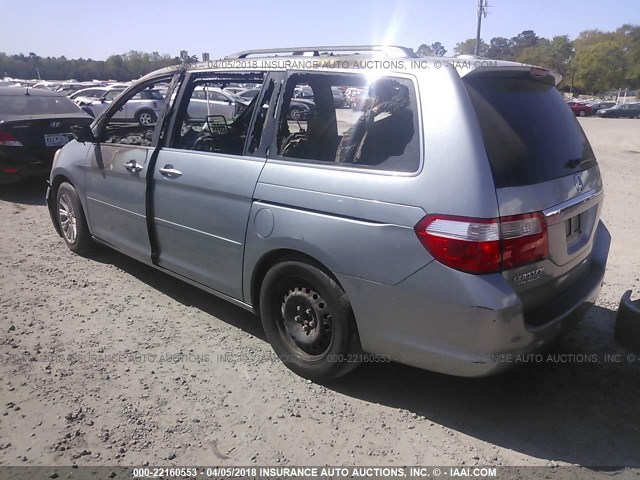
x,y
511,68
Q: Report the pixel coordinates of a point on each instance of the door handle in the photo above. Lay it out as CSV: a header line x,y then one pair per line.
x,y
169,171
133,166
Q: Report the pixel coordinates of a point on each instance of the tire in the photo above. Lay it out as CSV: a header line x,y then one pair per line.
x,y
71,219
638,116
146,117
293,296
582,113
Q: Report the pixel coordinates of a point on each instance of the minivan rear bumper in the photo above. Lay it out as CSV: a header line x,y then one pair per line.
x,y
451,322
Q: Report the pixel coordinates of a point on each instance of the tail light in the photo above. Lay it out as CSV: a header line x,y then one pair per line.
x,y
8,140
481,245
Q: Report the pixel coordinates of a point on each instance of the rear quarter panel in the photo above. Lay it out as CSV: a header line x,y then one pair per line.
x,y
360,224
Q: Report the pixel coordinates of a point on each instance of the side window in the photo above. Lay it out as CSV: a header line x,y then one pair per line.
x,y
378,131
112,94
212,121
120,129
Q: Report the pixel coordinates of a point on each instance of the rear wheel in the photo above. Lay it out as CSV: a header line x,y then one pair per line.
x,y
146,117
308,321
73,224
582,113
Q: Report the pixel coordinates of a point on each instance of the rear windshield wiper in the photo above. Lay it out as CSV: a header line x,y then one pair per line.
x,y
578,162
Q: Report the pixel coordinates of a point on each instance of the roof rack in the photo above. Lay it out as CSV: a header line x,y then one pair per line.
x,y
317,51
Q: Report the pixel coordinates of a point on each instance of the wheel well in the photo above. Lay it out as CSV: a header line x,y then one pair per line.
x,y
144,110
57,181
273,258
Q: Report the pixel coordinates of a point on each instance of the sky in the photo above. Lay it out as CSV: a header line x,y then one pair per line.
x,y
96,30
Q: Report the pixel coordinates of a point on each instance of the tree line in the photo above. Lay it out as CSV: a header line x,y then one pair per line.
x,y
594,62
127,66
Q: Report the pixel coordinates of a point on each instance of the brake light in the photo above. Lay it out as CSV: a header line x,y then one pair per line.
x,y
539,71
8,140
481,245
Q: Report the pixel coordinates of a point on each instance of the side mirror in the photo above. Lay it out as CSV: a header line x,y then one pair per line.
x,y
83,133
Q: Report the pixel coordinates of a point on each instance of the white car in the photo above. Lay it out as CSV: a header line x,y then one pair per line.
x,y
143,108
213,101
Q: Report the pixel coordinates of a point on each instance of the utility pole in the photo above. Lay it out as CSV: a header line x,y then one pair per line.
x,y
482,12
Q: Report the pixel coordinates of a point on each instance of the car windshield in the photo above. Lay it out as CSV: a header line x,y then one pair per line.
x,y
36,105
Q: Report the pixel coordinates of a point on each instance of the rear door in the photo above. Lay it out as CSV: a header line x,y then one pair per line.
x,y
541,162
203,186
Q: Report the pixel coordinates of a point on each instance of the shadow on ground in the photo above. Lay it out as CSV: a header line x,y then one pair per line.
x,y
27,192
559,410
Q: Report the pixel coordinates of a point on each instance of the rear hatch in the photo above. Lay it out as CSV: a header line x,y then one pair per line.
x,y
541,162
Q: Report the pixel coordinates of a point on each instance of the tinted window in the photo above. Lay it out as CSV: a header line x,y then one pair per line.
x,y
529,133
36,105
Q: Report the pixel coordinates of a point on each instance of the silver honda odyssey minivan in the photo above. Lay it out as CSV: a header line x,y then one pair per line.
x,y
450,222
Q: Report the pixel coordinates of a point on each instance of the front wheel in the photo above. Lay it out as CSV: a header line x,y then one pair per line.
x,y
308,321
582,113
73,224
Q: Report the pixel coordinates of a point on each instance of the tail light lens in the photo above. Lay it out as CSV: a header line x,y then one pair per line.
x,y
480,245
8,140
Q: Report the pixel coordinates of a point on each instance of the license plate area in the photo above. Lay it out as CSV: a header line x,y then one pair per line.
x,y
55,140
573,228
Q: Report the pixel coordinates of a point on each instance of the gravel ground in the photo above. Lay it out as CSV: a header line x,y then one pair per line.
x,y
106,361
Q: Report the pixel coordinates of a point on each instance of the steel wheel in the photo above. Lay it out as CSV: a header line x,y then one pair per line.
x,y
305,321
68,221
308,320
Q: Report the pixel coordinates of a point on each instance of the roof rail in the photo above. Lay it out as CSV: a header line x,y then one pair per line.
x,y
317,51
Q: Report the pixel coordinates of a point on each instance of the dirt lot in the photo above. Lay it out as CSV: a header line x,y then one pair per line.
x,y
106,361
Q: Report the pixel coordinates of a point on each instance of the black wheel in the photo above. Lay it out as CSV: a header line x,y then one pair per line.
x,y
72,221
308,321
146,117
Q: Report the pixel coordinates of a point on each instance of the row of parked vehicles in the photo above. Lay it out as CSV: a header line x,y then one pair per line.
x,y
605,109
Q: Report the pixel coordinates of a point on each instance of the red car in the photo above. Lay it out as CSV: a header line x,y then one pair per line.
x,y
580,109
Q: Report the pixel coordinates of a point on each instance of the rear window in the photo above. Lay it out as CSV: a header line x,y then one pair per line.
x,y
36,105
529,133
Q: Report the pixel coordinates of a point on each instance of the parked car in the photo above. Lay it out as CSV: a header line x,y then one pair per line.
x,y
143,108
451,232
89,95
622,110
34,123
595,106
305,92
248,93
357,98
580,109
213,101
234,89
